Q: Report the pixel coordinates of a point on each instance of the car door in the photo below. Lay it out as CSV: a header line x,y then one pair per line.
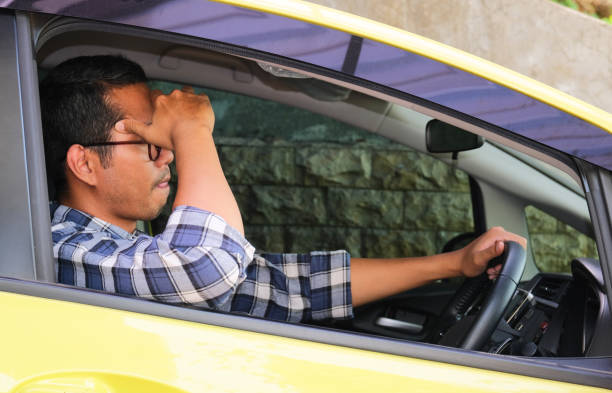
x,y
88,340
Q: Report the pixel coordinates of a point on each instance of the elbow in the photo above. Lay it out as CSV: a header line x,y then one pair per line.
x,y
217,278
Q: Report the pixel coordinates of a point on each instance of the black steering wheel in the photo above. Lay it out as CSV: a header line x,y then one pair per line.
x,y
462,329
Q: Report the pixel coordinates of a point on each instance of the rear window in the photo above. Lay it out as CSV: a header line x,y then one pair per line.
x,y
554,244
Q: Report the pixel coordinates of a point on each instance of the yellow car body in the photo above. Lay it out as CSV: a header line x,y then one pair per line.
x,y
60,339
106,350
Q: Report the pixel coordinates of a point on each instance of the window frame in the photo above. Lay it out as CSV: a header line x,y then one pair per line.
x,y
553,368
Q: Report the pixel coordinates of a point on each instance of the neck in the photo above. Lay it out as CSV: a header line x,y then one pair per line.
x,y
93,208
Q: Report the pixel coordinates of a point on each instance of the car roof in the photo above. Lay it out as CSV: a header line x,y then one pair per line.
x,y
453,81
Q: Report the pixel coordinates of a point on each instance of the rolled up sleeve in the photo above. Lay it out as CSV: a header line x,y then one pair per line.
x,y
296,287
198,259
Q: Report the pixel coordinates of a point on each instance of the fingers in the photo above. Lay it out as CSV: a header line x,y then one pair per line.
x,y
131,126
494,250
509,236
178,116
497,248
493,272
498,236
188,89
502,235
489,245
191,90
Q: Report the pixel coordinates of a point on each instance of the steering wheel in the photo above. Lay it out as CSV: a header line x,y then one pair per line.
x,y
472,331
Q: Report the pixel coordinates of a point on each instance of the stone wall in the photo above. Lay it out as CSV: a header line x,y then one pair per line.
x,y
373,200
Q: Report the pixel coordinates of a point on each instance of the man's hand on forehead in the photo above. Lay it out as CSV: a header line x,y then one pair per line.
x,y
180,114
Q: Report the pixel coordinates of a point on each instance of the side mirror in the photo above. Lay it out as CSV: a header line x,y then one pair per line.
x,y
442,137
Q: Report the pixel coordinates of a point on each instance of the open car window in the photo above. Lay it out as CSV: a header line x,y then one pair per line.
x,y
307,182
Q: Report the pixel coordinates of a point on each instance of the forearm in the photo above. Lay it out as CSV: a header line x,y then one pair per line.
x,y
373,279
201,182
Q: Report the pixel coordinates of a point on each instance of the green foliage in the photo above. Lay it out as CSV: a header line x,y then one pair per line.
x,y
568,3
573,5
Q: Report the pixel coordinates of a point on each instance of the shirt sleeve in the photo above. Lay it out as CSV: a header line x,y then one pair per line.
x,y
198,259
296,287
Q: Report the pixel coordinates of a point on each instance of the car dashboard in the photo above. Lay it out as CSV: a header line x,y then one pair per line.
x,y
556,315
551,315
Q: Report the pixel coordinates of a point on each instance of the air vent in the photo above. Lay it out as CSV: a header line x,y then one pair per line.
x,y
551,288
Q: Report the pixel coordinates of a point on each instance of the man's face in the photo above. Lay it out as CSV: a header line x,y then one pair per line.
x,y
132,186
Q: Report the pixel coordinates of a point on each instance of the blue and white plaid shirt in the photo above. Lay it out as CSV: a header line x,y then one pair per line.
x,y
202,261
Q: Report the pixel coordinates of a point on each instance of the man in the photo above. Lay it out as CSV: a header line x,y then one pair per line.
x,y
109,141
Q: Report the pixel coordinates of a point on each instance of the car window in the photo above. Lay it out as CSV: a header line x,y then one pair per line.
x,y
554,244
306,182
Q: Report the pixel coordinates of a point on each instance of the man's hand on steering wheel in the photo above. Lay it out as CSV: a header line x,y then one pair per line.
x,y
458,326
476,255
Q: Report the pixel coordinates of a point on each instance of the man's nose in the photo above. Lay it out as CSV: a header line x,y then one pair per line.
x,y
165,157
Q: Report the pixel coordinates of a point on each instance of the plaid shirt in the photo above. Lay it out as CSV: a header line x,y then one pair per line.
x,y
202,261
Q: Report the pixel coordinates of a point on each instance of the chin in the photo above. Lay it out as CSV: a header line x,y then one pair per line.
x,y
156,211
152,213
156,208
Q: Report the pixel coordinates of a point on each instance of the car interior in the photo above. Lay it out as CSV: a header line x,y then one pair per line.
x,y
536,313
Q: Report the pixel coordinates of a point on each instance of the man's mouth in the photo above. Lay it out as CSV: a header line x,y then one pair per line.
x,y
163,183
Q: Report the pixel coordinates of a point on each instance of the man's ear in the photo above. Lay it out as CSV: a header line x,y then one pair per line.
x,y
82,163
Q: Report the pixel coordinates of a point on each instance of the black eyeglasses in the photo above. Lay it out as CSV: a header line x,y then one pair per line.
x,y
154,151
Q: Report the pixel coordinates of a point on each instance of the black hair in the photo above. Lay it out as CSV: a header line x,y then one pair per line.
x,y
76,108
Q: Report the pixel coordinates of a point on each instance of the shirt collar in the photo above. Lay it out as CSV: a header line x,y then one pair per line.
x,y
61,213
